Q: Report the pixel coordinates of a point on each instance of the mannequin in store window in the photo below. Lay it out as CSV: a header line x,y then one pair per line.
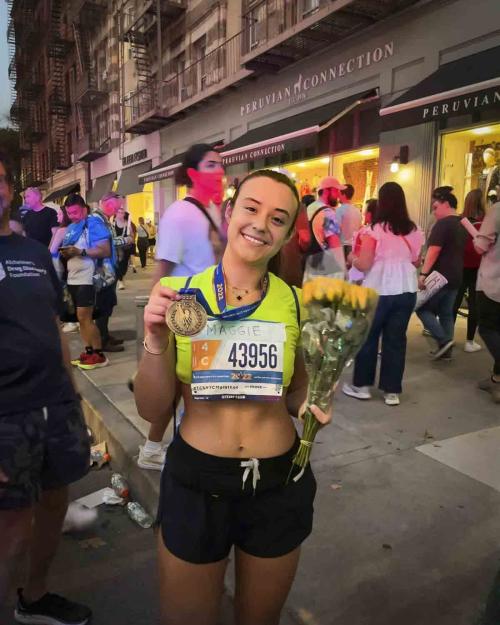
x,y
491,174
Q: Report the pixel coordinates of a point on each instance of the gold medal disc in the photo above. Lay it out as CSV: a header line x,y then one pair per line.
x,y
186,317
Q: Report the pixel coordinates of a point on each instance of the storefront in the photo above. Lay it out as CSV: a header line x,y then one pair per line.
x,y
469,159
458,105
330,139
121,171
300,117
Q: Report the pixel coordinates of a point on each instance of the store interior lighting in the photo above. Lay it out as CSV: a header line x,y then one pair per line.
x,y
484,130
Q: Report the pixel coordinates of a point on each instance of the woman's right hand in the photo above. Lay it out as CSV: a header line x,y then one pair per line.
x,y
155,327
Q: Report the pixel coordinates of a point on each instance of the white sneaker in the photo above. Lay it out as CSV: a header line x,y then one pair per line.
x,y
70,327
391,399
359,392
472,346
153,460
120,285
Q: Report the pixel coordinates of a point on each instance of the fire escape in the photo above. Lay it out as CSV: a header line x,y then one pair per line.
x,y
27,86
89,92
139,30
58,46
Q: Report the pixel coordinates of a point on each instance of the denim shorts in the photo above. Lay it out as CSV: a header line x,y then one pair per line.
x,y
41,449
208,504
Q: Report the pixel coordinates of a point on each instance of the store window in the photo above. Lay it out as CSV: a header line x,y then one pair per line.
x,y
359,168
141,204
307,174
470,159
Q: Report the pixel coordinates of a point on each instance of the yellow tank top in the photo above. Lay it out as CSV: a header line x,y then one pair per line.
x,y
282,304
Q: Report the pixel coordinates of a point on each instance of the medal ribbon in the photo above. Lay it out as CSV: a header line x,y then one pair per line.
x,y
242,312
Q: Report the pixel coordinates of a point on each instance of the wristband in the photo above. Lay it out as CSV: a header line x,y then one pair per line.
x,y
424,274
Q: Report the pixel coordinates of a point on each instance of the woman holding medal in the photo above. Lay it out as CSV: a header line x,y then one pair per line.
x,y
225,483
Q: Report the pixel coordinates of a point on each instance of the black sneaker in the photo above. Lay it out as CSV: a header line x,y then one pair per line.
x,y
442,349
50,610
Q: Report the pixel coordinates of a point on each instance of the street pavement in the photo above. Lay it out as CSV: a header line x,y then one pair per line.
x,y
407,508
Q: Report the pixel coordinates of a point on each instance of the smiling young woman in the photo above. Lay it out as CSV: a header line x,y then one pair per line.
x,y
225,479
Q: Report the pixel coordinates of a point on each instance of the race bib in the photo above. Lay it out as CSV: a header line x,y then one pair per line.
x,y
238,360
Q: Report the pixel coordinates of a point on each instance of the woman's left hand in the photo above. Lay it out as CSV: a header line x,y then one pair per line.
x,y
324,418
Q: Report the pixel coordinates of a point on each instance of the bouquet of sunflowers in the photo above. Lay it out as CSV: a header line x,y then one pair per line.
x,y
339,316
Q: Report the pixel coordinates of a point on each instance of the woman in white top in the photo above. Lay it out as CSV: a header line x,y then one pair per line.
x,y
389,255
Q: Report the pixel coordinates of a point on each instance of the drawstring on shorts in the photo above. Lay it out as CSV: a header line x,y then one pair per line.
x,y
253,466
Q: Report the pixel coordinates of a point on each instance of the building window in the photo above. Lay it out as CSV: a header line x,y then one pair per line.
x,y
309,6
470,159
256,25
200,53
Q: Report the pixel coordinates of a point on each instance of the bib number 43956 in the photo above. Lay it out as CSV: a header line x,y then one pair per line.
x,y
253,356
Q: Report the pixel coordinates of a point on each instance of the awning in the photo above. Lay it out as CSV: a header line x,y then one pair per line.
x,y
286,134
102,185
62,192
468,85
129,179
163,170
168,168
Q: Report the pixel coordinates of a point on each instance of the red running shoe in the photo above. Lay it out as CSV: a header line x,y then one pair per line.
x,y
81,358
93,361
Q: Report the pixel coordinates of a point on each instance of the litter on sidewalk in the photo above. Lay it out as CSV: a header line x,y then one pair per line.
x,y
104,495
99,455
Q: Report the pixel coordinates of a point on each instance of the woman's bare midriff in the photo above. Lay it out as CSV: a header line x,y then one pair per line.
x,y
237,429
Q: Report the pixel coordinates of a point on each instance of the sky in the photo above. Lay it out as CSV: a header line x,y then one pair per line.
x,y
4,64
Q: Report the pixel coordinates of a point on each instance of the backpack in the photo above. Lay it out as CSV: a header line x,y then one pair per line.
x,y
309,244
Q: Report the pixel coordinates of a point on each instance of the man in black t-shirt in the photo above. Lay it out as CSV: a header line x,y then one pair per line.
x,y
40,221
445,254
44,444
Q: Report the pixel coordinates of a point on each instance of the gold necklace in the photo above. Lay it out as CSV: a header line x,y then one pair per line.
x,y
239,293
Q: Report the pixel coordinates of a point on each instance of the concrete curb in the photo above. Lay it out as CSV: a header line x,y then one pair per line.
x,y
108,424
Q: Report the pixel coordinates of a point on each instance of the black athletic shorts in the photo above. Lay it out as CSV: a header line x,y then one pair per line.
x,y
41,449
83,295
208,504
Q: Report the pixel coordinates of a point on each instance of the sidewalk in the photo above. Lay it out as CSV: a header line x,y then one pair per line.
x,y
408,501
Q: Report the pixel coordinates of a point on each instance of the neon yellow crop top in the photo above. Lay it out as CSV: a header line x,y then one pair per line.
x,y
279,305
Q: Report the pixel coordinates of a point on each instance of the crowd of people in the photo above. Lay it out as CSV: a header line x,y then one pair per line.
x,y
224,480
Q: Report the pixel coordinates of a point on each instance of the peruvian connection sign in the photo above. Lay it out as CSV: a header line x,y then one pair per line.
x,y
299,88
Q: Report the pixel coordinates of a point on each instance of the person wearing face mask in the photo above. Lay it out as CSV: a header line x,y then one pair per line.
x,y
188,242
225,481
85,241
325,254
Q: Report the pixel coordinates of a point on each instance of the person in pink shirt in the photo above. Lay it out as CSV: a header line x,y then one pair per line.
x,y
389,254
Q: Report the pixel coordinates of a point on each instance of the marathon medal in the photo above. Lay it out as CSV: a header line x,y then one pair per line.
x,y
186,317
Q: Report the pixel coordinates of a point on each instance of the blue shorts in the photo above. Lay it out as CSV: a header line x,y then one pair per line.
x,y
41,449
